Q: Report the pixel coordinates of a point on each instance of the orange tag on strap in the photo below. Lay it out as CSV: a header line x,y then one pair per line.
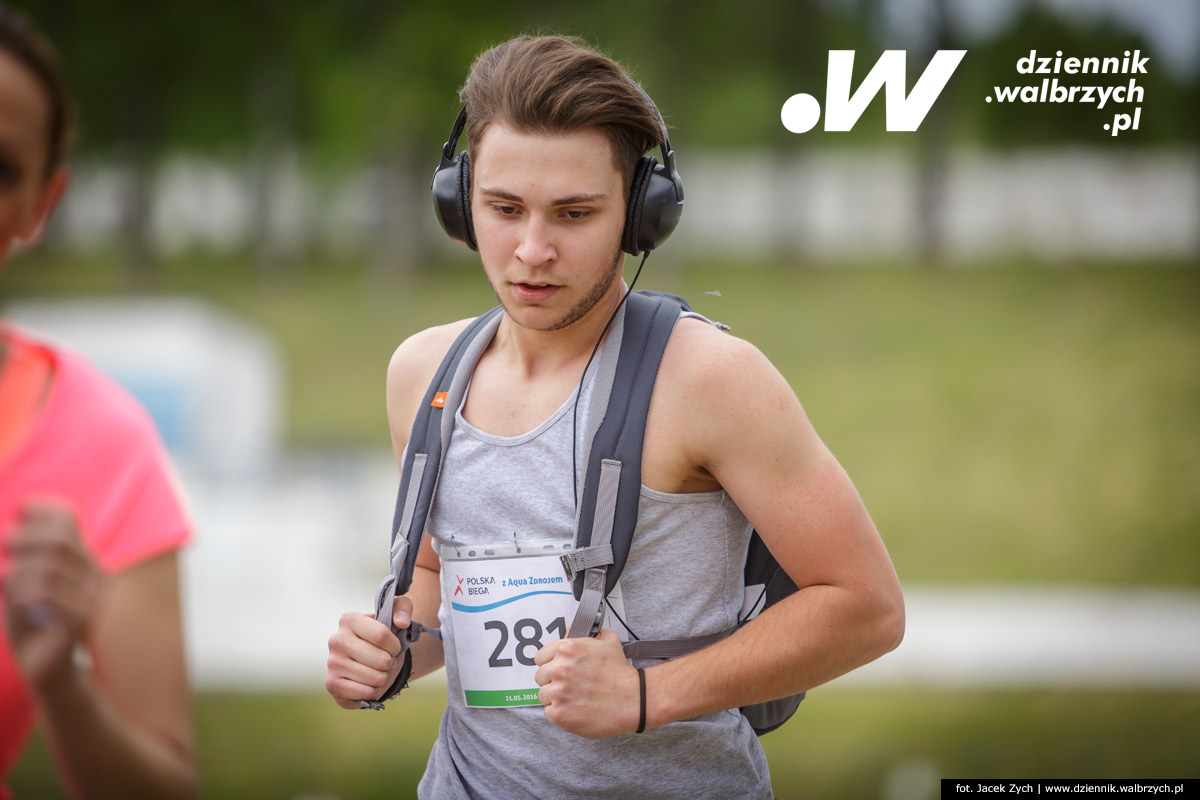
x,y
439,400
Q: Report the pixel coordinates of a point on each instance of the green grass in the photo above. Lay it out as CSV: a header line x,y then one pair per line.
x,y
842,743
1010,423
1014,423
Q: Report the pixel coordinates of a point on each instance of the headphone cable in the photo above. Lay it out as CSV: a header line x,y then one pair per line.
x,y
579,390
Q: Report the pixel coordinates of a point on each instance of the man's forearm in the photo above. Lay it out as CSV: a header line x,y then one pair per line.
x,y
807,639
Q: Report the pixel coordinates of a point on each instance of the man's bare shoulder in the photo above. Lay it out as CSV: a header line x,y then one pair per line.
x,y
717,393
419,354
701,357
412,366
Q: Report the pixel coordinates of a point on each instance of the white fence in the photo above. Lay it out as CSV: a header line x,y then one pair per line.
x,y
831,204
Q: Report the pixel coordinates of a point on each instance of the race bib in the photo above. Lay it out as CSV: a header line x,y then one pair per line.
x,y
505,605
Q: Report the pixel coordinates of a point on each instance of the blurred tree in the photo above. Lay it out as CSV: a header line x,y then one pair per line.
x,y
381,81
368,86
1164,119
272,102
148,78
932,166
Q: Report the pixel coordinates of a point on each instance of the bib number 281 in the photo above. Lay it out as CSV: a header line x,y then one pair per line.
x,y
503,610
526,636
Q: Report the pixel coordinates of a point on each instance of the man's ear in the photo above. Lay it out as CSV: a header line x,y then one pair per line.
x,y
48,197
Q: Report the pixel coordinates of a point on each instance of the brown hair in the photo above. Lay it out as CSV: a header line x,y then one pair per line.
x,y
20,39
557,85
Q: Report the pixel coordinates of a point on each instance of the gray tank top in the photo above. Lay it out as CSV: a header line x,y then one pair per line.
x,y
683,578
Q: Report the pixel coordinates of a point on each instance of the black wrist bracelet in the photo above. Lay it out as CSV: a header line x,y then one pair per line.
x,y
641,728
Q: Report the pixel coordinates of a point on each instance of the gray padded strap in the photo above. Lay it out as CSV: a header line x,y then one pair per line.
x,y
410,502
587,558
647,325
382,595
606,373
606,503
418,483
462,379
426,437
671,648
458,389
454,395
590,614
387,589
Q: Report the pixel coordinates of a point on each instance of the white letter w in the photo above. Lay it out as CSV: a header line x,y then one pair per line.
x,y
842,109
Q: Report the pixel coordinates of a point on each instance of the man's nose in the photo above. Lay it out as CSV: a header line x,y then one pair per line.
x,y
537,245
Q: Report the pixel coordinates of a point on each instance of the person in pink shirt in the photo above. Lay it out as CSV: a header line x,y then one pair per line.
x,y
90,521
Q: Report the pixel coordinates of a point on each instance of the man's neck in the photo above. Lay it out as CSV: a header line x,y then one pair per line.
x,y
534,352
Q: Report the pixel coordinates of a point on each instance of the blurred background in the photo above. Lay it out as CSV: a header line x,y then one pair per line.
x,y
994,322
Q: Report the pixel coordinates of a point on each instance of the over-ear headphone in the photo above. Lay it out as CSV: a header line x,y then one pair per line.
x,y
655,195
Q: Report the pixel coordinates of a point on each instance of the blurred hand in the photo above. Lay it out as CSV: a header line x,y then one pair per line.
x,y
588,688
363,655
51,591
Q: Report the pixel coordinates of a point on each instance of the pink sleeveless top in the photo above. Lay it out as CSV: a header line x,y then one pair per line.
x,y
88,442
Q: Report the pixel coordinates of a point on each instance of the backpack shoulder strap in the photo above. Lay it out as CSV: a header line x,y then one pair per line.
x,y
612,486
612,482
426,448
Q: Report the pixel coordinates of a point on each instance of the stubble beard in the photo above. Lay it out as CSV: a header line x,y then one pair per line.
x,y
580,309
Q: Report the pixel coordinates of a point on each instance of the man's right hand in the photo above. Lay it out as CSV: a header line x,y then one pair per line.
x,y
363,654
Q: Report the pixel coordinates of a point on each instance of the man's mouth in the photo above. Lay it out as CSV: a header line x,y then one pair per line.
x,y
534,292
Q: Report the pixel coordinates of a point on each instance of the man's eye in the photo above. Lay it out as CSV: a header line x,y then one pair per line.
x,y
577,213
504,211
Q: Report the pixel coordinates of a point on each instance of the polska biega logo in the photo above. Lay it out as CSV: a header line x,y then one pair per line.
x,y
801,112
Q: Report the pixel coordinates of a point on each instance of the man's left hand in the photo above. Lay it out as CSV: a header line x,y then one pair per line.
x,y
588,688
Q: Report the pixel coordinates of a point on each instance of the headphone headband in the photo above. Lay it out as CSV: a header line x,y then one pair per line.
x,y
460,122
668,153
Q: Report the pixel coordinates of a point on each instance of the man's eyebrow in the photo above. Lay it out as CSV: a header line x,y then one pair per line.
x,y
588,197
500,193
575,199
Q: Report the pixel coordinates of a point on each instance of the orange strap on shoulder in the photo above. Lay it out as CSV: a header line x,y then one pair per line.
x,y
25,375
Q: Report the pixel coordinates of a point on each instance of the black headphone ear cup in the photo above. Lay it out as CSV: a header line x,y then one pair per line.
x,y
631,237
463,198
